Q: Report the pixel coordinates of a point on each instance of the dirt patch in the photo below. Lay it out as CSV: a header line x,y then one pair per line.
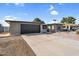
x,y
15,46
4,34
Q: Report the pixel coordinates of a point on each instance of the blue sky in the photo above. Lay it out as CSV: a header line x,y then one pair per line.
x,y
45,11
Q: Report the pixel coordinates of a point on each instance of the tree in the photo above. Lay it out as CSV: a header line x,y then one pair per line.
x,y
68,20
38,21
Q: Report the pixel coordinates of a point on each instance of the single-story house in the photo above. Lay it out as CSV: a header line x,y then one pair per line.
x,y
55,27
24,27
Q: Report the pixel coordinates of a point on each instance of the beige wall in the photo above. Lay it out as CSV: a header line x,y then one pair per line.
x,y
14,28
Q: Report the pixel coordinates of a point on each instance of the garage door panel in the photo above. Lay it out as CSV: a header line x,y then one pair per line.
x,y
29,28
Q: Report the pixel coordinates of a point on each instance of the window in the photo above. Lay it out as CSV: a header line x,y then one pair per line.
x,y
44,26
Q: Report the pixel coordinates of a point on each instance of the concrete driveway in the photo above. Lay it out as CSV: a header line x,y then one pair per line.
x,y
56,44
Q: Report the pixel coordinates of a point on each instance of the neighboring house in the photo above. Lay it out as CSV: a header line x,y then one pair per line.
x,y
1,28
55,27
71,27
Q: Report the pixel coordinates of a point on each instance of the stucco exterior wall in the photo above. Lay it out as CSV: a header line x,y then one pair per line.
x,y
42,30
14,28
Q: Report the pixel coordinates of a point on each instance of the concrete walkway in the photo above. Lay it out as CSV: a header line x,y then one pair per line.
x,y
52,45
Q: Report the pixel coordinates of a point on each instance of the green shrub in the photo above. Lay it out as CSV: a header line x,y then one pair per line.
x,y
77,31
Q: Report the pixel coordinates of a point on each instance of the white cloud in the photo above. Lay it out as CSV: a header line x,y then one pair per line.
x,y
54,12
77,21
54,22
9,18
51,7
3,23
19,4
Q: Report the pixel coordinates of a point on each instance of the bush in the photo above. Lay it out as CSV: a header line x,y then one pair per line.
x,y
77,31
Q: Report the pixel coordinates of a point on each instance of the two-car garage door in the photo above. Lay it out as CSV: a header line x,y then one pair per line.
x,y
30,28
